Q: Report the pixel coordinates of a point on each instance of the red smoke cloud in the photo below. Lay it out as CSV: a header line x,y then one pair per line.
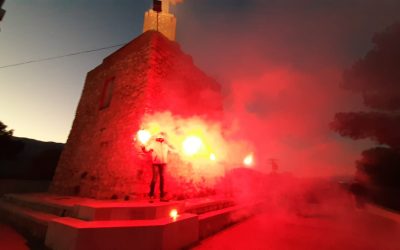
x,y
286,115
281,66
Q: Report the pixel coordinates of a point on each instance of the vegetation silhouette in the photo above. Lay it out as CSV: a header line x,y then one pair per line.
x,y
377,78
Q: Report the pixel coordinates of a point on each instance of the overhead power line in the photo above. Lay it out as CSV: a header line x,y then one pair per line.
x,y
61,56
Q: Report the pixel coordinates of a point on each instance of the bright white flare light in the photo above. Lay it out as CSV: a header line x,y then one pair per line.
x,y
173,214
143,136
213,157
192,145
248,160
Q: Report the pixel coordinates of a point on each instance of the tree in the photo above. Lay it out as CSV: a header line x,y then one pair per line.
x,y
383,128
3,130
377,78
44,164
382,165
9,147
2,12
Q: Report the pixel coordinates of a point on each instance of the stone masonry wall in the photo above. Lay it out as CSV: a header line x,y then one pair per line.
x,y
150,74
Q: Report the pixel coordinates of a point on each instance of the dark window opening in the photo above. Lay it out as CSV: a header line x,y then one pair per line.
x,y
107,93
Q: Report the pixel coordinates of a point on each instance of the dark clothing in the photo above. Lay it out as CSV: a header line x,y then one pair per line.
x,y
158,170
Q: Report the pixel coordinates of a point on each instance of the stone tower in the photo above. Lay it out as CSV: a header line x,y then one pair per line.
x,y
149,74
163,22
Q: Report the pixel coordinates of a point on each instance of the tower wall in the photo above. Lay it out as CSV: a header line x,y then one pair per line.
x,y
148,75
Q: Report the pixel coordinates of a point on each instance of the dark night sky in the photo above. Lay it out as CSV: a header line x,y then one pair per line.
x,y
280,63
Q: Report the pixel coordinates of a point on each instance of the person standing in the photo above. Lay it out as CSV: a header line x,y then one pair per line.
x,y
159,149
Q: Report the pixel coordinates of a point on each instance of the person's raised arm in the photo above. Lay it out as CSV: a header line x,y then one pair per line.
x,y
171,148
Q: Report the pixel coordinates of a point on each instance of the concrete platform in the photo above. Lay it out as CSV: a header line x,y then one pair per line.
x,y
30,222
144,210
90,209
166,233
207,204
79,223
52,204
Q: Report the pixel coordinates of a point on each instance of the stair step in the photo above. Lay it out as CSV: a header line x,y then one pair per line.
x,y
95,211
37,203
30,222
165,233
34,214
209,206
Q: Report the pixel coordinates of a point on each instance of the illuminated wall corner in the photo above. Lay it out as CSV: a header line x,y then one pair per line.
x,y
166,23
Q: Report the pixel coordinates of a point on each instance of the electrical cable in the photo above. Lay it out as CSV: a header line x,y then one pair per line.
x,y
61,56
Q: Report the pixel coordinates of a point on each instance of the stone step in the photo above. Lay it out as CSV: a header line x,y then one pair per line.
x,y
102,211
89,209
167,233
39,202
202,206
34,212
29,222
143,210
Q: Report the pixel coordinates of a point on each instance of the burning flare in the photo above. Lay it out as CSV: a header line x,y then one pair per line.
x,y
192,145
248,160
213,157
174,214
201,153
143,136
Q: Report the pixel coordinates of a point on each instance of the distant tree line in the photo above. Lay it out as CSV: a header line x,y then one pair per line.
x,y
377,78
22,158
9,147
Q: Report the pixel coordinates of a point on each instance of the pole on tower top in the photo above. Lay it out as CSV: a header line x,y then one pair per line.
x,y
157,6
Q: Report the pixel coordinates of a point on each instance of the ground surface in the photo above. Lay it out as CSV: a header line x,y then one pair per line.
x,y
10,239
344,229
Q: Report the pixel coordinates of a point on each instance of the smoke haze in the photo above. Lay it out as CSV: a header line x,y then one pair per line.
x,y
281,66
